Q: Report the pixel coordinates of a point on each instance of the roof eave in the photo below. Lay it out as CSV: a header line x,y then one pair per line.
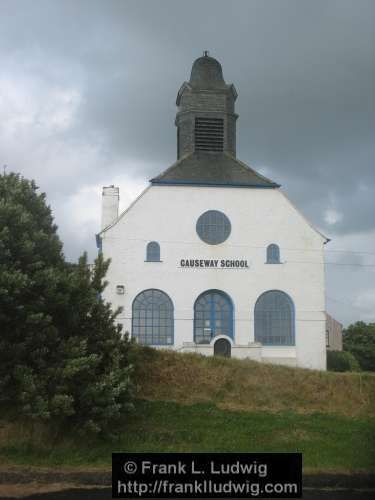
x,y
185,182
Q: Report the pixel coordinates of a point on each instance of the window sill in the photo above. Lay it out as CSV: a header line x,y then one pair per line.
x,y
154,261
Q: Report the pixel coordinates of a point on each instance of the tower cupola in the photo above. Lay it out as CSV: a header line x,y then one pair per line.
x,y
207,73
206,134
206,121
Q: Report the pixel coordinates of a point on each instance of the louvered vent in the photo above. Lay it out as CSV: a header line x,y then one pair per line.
x,y
209,134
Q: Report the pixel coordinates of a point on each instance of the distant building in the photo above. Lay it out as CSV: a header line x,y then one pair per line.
x,y
333,334
212,257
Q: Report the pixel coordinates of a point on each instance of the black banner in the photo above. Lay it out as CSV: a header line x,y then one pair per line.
x,y
206,475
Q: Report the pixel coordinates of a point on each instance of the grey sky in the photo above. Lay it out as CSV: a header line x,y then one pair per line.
x,y
87,98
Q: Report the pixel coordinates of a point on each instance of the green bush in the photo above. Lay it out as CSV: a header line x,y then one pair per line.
x,y
359,339
63,357
342,361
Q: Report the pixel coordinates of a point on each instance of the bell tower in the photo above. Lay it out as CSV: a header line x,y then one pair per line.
x,y
206,121
206,133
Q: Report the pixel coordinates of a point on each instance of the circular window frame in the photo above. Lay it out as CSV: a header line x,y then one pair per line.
x,y
213,239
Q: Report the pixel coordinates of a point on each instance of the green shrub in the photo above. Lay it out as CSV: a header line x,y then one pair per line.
x,y
342,361
359,339
63,357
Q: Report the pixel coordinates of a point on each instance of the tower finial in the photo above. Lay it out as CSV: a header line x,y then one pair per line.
x,y
205,53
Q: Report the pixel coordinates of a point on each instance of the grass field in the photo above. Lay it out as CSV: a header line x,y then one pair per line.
x,y
246,385
190,403
327,442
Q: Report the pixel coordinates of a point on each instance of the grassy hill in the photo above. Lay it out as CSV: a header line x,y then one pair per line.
x,y
246,385
186,402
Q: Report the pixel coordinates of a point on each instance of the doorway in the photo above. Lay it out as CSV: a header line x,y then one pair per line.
x,y
222,347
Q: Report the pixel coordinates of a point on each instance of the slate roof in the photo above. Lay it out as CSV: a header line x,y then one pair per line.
x,y
212,169
207,73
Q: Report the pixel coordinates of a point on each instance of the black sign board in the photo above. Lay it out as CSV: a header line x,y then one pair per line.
x,y
207,475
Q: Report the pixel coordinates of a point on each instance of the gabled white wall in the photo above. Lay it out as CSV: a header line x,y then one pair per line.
x,y
168,214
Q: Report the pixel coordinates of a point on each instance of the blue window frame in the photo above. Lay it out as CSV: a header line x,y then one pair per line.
x,y
274,319
153,318
153,252
273,254
213,227
213,315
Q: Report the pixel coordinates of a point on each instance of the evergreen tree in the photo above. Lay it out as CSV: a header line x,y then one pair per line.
x,y
62,356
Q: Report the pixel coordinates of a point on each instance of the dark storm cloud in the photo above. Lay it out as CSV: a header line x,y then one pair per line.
x,y
304,71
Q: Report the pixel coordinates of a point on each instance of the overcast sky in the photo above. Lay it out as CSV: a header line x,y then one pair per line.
x,y
87,98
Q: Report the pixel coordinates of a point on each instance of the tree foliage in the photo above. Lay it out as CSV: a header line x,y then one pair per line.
x,y
359,339
62,355
341,361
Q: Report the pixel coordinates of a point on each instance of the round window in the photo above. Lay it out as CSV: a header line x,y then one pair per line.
x,y
213,227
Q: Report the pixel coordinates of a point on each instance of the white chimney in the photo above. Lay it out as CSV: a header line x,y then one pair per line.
x,y
110,201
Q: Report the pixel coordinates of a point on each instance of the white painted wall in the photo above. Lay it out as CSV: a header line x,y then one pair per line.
x,y
168,214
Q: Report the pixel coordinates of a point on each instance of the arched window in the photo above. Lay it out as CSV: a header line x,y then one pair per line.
x,y
153,252
273,254
274,319
213,315
152,321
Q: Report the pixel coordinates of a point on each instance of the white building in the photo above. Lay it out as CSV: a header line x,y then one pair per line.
x,y
212,257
